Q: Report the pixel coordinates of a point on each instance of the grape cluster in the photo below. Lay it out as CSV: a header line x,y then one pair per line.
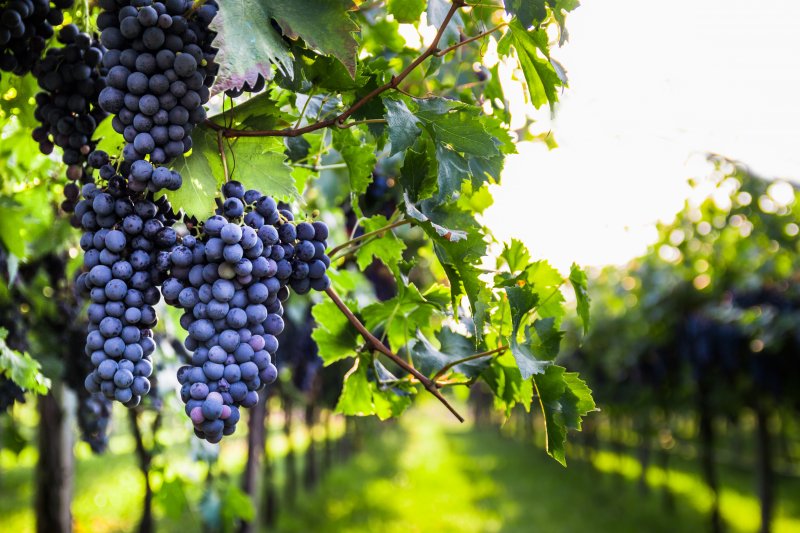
x,y
161,65
71,78
25,26
94,419
231,282
125,241
257,87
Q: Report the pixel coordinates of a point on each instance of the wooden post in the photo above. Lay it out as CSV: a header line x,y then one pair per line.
x,y
54,471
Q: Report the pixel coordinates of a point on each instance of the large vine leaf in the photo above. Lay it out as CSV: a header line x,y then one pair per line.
x,y
418,175
359,156
248,44
261,164
437,11
403,128
406,11
541,76
459,244
540,344
529,12
387,248
356,397
324,25
506,383
564,399
429,360
370,389
202,175
400,317
455,124
336,339
109,140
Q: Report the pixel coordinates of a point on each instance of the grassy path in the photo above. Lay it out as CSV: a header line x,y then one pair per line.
x,y
428,475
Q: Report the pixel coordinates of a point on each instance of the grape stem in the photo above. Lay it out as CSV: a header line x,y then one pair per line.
x,y
339,120
222,155
380,347
449,49
448,366
378,231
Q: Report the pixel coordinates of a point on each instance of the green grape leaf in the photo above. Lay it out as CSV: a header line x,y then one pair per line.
x,y
389,397
418,176
387,247
370,389
534,56
529,12
429,360
202,175
506,383
437,11
336,339
452,170
522,300
456,125
109,140
546,281
262,164
403,125
324,25
560,11
485,169
515,255
248,44
406,11
359,156
564,399
356,398
21,368
580,282
459,244
401,316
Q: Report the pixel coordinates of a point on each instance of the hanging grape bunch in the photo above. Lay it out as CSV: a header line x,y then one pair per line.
x,y
71,78
125,242
25,26
161,65
231,281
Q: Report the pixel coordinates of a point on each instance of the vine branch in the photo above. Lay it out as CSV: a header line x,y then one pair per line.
x,y
339,120
379,346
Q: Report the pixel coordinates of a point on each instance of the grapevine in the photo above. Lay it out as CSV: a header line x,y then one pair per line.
x,y
199,200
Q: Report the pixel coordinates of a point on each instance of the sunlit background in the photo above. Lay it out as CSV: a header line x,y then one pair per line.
x,y
653,88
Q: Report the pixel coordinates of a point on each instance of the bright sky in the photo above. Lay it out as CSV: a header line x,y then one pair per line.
x,y
652,89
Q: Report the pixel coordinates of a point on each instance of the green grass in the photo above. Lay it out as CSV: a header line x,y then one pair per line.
x,y
429,475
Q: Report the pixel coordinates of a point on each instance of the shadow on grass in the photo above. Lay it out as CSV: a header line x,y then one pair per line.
x,y
534,493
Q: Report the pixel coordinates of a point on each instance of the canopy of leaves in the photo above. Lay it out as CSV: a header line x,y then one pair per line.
x,y
393,140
